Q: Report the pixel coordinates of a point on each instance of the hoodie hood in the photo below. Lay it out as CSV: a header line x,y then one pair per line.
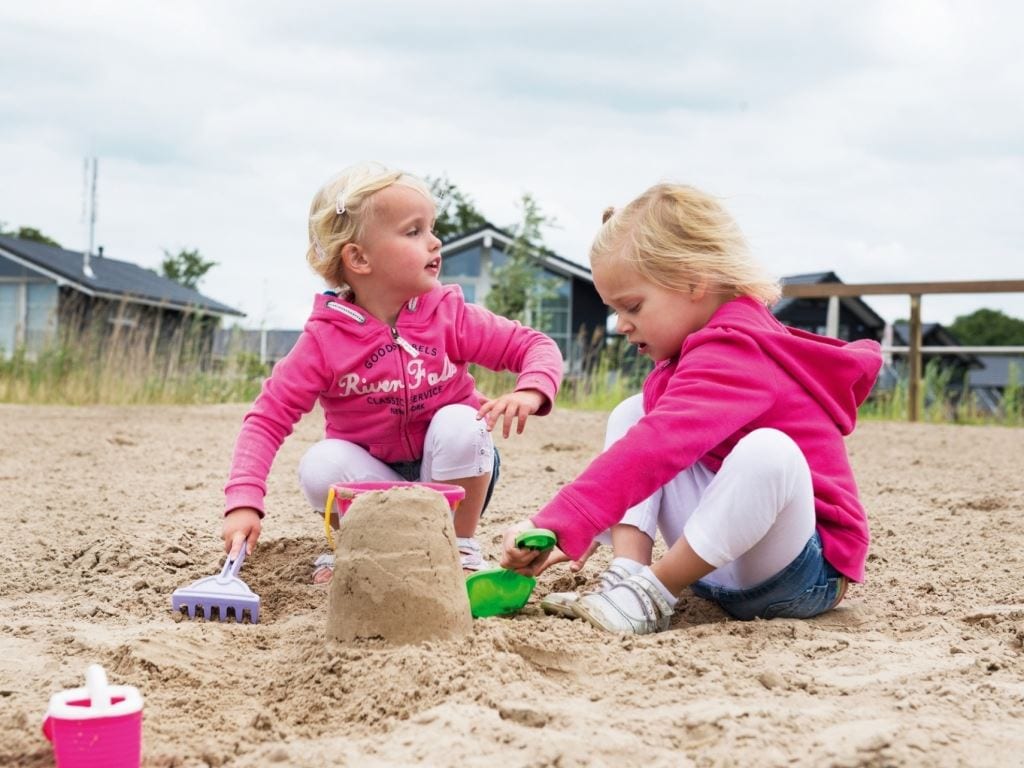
x,y
339,311
839,375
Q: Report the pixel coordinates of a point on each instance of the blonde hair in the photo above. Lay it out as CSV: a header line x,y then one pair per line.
x,y
678,237
342,207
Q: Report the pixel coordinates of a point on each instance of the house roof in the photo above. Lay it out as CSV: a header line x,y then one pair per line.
x,y
111,279
996,372
933,335
854,304
549,259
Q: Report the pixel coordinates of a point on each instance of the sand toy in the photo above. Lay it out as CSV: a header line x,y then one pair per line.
x,y
499,592
98,725
219,595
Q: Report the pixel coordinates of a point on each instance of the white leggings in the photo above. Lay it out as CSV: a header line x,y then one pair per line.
x,y
457,445
750,520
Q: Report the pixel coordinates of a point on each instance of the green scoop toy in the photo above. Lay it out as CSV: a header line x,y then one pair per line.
x,y
499,592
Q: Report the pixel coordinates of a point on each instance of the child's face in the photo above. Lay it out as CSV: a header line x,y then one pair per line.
x,y
399,244
655,318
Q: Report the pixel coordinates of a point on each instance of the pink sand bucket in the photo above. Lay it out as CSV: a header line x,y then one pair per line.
x,y
99,726
341,495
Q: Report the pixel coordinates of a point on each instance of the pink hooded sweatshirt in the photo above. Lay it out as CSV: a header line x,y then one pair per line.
x,y
742,371
381,385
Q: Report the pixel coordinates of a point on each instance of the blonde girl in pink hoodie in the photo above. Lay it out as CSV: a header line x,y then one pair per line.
x,y
385,353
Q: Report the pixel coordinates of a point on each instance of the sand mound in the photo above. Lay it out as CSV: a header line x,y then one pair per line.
x,y
920,666
397,575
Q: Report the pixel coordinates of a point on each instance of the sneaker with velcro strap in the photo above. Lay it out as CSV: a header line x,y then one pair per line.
x,y
561,603
601,609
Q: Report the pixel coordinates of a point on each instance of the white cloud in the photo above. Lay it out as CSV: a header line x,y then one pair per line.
x,y
882,140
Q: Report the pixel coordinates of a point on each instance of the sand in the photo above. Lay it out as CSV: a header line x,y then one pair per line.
x,y
105,511
397,576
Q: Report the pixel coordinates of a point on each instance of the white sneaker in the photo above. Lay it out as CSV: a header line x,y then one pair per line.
x,y
561,603
470,556
647,612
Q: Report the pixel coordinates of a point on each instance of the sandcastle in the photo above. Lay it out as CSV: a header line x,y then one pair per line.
x,y
397,575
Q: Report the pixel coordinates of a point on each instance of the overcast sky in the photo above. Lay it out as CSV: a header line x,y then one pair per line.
x,y
881,140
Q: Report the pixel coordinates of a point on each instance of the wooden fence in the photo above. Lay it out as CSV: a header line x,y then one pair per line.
x,y
833,292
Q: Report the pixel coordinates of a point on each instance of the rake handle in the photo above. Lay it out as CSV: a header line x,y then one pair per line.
x,y
232,567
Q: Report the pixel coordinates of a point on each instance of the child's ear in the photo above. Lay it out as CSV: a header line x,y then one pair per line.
x,y
354,259
699,290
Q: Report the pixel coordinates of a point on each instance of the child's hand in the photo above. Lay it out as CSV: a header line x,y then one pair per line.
x,y
515,405
242,525
524,561
558,556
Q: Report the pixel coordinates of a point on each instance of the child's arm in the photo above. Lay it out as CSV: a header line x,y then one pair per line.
x,y
500,344
289,392
514,406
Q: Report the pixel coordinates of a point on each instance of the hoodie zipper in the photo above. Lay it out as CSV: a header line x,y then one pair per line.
x,y
410,350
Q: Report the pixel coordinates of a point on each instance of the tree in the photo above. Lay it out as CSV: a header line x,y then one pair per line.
x,y
456,211
988,328
518,287
187,267
28,233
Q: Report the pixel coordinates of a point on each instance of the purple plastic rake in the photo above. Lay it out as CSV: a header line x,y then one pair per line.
x,y
224,592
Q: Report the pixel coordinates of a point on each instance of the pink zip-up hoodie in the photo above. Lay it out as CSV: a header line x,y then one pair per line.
x,y
380,385
742,371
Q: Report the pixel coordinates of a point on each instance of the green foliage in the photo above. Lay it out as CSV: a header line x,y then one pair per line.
x,y
456,212
518,287
1013,397
944,401
186,267
988,328
28,233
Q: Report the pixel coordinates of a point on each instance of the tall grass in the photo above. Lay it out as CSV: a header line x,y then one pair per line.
x,y
602,375
93,365
132,366
944,400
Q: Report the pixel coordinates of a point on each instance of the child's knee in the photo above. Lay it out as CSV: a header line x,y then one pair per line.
x,y
623,416
326,463
458,441
769,454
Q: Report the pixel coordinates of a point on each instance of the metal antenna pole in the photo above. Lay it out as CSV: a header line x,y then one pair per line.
x,y
92,205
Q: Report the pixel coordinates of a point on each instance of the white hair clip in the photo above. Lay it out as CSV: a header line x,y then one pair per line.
x,y
339,204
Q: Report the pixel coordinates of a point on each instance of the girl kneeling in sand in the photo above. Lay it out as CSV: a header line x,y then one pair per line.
x,y
385,352
735,448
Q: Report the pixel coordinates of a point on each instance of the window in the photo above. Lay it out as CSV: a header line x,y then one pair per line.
x,y
10,313
463,264
552,311
40,315
28,316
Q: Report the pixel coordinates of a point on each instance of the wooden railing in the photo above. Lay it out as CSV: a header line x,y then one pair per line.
x,y
833,292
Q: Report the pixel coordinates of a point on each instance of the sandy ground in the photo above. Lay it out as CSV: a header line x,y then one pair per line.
x,y
105,511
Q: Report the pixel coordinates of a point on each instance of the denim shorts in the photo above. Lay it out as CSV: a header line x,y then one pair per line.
x,y
410,470
806,587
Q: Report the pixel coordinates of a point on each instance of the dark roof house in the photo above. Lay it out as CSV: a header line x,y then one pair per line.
x,y
46,290
856,319
570,310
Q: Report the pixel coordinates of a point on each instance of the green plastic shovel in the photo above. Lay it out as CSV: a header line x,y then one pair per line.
x,y
499,592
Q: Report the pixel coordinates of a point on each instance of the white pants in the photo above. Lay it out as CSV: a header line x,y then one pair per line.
x,y
750,520
457,445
